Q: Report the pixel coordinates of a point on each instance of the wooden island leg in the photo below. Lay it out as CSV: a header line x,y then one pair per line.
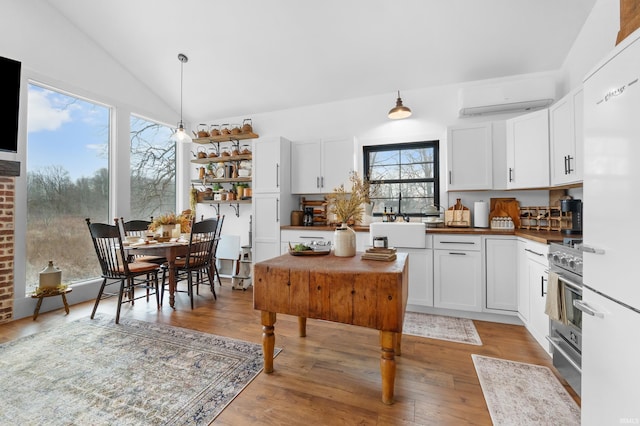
x,y
302,326
388,365
268,339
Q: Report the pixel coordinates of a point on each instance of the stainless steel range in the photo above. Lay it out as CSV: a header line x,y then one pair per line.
x,y
565,261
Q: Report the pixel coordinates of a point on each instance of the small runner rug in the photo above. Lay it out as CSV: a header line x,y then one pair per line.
x,y
524,394
95,372
460,330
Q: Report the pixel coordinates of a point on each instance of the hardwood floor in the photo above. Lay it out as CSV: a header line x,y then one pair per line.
x,y
332,376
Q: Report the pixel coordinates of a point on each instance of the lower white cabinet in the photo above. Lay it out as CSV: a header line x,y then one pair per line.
x,y
457,272
537,280
420,275
502,274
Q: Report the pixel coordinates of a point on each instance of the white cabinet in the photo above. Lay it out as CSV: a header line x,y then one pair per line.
x,y
566,139
272,199
501,273
322,165
420,274
469,157
537,278
528,150
523,281
457,270
476,156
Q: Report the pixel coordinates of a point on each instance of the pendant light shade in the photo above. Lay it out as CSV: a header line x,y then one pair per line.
x,y
181,134
399,111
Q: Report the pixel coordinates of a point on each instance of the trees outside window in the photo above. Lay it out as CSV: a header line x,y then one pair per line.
x,y
405,176
67,181
153,169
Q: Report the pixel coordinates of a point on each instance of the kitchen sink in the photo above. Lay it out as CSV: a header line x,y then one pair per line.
x,y
400,234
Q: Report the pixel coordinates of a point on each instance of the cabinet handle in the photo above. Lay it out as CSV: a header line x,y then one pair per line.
x,y
458,254
542,280
457,242
569,169
317,181
510,174
565,165
583,307
277,209
449,177
534,252
321,181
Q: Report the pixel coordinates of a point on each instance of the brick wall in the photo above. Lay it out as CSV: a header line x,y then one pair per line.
x,y
7,197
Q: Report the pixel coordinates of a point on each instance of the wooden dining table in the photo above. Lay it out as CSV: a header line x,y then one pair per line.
x,y
170,251
347,290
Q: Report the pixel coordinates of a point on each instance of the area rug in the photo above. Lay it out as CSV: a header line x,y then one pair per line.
x,y
524,394
460,330
94,372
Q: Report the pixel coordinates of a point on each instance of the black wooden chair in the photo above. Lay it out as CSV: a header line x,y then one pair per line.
x,y
198,262
116,269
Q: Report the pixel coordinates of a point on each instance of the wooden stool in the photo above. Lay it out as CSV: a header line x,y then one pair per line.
x,y
49,293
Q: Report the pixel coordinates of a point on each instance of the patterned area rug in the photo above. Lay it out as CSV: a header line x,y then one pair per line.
x,y
94,372
460,330
524,394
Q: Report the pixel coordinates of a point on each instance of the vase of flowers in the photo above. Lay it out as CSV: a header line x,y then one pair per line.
x,y
347,206
166,225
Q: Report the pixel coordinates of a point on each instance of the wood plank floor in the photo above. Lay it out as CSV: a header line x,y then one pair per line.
x,y
332,376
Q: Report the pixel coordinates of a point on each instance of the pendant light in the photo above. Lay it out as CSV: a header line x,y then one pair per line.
x,y
181,134
399,111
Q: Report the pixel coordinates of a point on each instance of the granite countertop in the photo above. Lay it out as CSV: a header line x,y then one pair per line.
x,y
544,237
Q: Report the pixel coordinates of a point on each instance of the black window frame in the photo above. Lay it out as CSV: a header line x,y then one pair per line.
x,y
433,144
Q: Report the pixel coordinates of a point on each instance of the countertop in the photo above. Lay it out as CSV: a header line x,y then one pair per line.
x,y
544,237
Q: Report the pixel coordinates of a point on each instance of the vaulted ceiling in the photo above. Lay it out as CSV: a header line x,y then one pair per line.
x,y
250,56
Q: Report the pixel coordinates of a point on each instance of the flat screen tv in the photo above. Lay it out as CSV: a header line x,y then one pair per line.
x,y
9,103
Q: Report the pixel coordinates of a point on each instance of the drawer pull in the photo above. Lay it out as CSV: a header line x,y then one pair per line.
x,y
457,242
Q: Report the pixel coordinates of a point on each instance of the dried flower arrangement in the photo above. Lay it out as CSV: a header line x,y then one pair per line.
x,y
348,205
172,219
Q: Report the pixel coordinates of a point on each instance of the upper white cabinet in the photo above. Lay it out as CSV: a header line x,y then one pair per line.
x,y
528,150
566,137
319,166
469,157
476,156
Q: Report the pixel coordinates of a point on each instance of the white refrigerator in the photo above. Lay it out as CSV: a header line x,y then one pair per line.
x,y
611,236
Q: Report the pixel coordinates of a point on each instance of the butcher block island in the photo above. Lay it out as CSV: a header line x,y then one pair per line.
x,y
346,290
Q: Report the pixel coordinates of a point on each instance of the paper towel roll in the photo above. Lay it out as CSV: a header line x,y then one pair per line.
x,y
480,214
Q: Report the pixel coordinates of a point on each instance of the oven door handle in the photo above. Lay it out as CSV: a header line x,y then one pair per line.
x,y
573,285
583,307
556,345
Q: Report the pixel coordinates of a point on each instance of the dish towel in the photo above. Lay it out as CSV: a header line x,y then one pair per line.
x,y
554,306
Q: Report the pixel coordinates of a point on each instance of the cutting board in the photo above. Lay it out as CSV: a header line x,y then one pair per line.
x,y
502,207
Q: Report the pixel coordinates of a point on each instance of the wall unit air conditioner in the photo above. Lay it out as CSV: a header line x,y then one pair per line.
x,y
511,96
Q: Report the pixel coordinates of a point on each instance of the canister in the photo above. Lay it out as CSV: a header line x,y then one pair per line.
x,y
296,217
50,276
380,242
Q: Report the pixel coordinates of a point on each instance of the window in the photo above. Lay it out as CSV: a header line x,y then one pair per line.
x,y
405,176
67,181
153,169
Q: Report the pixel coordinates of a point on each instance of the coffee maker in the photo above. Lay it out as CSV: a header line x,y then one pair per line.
x,y
308,216
575,207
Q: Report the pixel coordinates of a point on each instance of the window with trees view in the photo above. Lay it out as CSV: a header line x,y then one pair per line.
x,y
67,181
153,169
404,177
